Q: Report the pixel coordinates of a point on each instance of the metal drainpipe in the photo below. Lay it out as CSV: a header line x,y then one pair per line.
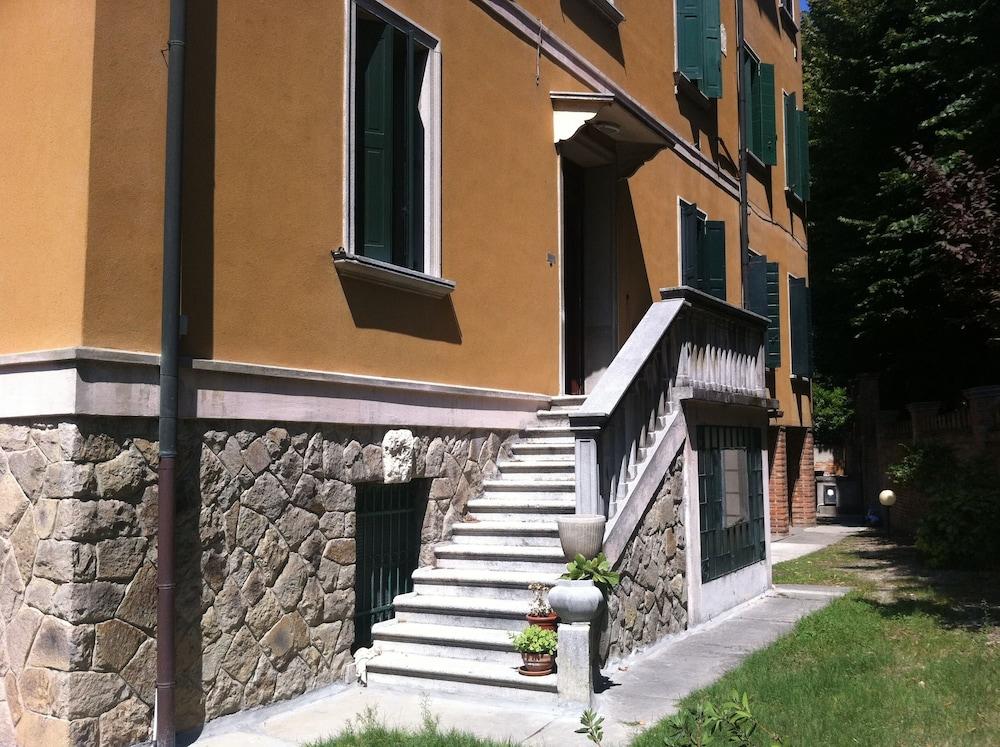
x,y
170,328
741,119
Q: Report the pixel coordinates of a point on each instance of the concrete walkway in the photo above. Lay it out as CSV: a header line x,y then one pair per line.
x,y
804,540
641,690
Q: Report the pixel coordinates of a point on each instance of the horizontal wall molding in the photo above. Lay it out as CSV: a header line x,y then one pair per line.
x,y
101,382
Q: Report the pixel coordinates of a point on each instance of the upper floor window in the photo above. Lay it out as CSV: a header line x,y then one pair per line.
x,y
796,149
759,127
393,203
800,313
699,45
703,251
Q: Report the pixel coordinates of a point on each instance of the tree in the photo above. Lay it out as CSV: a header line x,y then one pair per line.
x,y
904,99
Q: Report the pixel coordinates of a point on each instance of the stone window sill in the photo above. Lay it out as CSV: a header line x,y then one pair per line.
x,y
392,276
607,9
689,89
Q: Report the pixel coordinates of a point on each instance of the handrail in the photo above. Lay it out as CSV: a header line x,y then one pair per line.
x,y
687,346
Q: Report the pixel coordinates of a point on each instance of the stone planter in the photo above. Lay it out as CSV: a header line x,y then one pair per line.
x,y
575,601
581,534
536,665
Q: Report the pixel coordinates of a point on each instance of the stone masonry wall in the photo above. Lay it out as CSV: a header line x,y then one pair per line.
x,y
266,563
651,600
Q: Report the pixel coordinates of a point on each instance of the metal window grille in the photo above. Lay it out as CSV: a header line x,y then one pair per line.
x,y
388,536
727,549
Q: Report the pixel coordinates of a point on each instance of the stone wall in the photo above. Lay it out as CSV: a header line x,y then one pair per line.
x,y
651,600
266,563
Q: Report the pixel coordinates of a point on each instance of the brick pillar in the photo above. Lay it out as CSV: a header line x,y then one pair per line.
x,y
778,479
804,490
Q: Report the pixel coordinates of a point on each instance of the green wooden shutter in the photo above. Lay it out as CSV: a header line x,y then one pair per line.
x,y
713,259
757,285
690,49
374,86
798,304
765,119
689,245
773,349
750,93
792,174
711,83
802,131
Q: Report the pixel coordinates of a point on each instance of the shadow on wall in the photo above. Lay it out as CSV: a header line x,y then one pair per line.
x,y
635,296
198,209
595,25
377,307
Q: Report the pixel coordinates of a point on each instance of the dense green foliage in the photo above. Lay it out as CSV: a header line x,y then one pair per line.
x,y
534,640
904,232
959,528
833,412
597,570
727,723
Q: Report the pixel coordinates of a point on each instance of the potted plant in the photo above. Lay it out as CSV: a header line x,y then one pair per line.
x,y
540,613
579,594
537,648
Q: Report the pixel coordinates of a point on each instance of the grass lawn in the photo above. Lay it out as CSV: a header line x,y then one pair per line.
x,y
911,657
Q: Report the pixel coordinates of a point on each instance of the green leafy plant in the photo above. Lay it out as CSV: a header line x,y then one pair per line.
x,y
597,570
708,724
592,724
958,527
534,640
833,412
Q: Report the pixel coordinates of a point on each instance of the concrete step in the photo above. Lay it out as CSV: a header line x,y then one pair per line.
x,y
519,484
459,676
448,641
465,582
499,557
513,507
545,432
522,533
539,450
569,400
470,612
538,469
554,417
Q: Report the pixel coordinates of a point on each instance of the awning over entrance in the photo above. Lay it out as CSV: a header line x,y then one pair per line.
x,y
595,129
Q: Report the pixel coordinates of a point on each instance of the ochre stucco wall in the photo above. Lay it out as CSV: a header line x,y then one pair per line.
x,y
263,188
46,54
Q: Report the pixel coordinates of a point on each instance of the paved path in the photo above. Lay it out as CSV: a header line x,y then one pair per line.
x,y
804,540
642,689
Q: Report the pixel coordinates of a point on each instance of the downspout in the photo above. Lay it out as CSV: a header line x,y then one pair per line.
x,y
169,328
741,117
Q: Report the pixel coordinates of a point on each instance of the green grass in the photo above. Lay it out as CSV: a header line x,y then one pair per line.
x,y
908,658
369,730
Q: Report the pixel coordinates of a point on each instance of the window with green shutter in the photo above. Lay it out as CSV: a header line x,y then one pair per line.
x,y
763,299
703,251
699,44
796,149
759,128
390,64
799,307
730,499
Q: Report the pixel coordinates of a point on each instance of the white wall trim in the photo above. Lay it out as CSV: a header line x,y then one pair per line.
x,y
93,381
429,105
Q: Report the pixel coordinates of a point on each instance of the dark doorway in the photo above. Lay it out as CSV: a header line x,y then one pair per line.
x,y
589,274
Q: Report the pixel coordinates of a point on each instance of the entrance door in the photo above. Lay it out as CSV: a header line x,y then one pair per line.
x,y
589,290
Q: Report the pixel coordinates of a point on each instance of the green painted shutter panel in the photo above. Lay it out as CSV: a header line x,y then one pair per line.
x,y
690,54
749,91
765,121
791,144
689,245
714,259
773,349
375,113
802,130
711,84
798,303
757,285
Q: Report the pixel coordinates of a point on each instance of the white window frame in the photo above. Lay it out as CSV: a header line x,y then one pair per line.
x,y
429,106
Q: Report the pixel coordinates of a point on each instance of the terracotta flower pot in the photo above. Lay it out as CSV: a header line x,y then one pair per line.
x,y
547,622
536,665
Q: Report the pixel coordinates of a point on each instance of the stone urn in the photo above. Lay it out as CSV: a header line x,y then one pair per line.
x,y
575,601
581,534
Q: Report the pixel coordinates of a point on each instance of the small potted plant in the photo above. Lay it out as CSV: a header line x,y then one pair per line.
x,y
537,648
540,613
579,594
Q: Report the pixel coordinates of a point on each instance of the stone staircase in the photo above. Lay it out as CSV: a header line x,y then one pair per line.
x,y
451,633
